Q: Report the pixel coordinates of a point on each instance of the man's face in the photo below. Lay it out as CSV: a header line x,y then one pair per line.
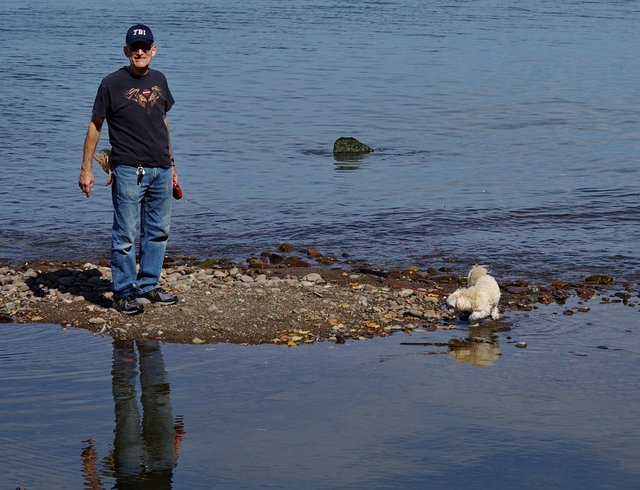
x,y
140,55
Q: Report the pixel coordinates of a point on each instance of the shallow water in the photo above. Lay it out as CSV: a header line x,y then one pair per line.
x,y
504,133
377,414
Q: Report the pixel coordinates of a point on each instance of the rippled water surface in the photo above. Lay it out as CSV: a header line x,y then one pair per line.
x,y
561,413
505,132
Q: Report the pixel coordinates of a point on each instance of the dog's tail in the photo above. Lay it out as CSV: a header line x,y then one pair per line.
x,y
476,272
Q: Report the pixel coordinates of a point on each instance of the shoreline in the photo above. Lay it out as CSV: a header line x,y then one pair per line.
x,y
288,301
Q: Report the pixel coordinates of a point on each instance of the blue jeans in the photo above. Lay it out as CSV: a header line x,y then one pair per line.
x,y
149,199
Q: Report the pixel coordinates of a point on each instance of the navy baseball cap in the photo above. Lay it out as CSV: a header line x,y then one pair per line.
x,y
139,33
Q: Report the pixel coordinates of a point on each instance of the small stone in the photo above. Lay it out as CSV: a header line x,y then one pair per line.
x,y
96,320
521,345
414,313
405,293
431,315
196,340
313,278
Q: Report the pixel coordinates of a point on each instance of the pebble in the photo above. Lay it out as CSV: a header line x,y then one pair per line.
x,y
414,313
313,278
96,320
521,345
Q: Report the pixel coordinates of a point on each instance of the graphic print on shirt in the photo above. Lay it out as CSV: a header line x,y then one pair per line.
x,y
146,98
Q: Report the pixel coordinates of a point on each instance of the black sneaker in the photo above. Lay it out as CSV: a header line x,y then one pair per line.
x,y
129,305
159,296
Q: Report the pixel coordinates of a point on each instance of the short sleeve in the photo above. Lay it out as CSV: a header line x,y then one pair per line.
x,y
101,103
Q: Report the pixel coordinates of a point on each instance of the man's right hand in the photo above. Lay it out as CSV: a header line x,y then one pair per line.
x,y
86,181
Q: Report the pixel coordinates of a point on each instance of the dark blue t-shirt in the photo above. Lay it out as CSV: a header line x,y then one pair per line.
x,y
134,108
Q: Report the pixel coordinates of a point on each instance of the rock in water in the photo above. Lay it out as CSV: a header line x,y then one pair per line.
x,y
351,146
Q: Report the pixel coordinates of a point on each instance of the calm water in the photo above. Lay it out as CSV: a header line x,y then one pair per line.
x,y
372,414
505,132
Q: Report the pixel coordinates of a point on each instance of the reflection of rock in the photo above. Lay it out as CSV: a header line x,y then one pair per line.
x,y
347,161
350,146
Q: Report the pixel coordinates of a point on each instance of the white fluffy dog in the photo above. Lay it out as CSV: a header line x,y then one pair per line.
x,y
480,298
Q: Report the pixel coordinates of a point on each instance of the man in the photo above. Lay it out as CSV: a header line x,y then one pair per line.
x,y
134,100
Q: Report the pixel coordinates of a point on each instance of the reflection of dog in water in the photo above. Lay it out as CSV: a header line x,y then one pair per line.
x,y
480,349
479,299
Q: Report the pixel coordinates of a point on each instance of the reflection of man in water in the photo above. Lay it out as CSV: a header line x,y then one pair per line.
x,y
145,452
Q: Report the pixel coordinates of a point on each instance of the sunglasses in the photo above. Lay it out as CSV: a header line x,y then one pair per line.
x,y
140,46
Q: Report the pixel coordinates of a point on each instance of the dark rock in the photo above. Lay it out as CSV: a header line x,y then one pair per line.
x,y
446,278
286,247
599,279
294,261
255,262
546,297
372,272
326,260
585,293
313,252
207,264
351,146
518,283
